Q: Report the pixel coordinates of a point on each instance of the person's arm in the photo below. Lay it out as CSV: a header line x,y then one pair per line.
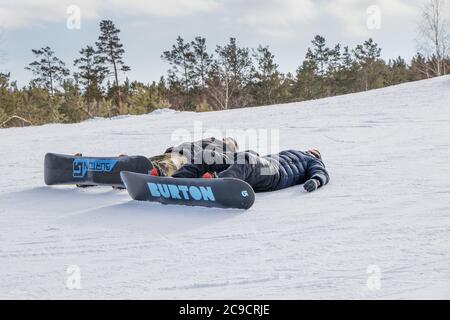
x,y
206,161
317,176
190,170
193,169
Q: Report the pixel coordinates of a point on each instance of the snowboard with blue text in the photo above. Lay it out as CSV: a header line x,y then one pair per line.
x,y
213,193
86,171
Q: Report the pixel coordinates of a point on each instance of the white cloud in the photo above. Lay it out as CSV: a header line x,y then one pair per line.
x,y
272,17
166,8
26,13
269,17
352,14
285,17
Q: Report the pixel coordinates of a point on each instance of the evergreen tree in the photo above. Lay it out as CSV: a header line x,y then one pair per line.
x,y
38,106
317,59
162,89
332,77
305,87
398,71
232,72
320,54
49,70
145,98
72,106
183,71
202,61
267,77
420,68
111,52
287,88
346,75
91,74
4,96
371,68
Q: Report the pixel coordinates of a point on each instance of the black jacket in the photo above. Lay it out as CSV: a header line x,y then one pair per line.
x,y
297,167
269,173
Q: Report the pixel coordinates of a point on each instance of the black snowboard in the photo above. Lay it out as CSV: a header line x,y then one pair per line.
x,y
213,193
83,171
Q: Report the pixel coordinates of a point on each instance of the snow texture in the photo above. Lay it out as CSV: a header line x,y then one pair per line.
x,y
385,215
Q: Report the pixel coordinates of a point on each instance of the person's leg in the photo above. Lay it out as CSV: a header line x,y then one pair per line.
x,y
238,171
261,173
243,168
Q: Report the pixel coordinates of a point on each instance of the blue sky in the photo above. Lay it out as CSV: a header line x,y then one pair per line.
x,y
151,26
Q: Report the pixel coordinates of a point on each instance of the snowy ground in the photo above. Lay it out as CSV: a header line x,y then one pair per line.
x,y
387,209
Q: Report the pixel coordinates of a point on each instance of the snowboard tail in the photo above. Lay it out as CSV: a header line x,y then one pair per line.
x,y
69,170
213,193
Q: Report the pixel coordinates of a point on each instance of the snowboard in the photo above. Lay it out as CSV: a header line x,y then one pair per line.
x,y
87,171
228,193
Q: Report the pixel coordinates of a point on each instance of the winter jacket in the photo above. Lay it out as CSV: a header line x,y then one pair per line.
x,y
297,167
269,173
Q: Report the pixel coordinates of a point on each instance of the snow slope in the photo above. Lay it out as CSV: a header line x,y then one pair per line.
x,y
387,209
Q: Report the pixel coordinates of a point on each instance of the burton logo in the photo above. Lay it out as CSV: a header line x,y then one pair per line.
x,y
180,192
83,166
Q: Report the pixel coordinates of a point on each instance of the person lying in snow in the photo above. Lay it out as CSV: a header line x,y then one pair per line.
x,y
268,173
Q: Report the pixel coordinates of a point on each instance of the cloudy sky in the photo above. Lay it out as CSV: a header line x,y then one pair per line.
x,y
151,26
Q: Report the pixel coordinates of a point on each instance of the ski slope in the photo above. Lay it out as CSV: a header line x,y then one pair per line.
x,y
385,215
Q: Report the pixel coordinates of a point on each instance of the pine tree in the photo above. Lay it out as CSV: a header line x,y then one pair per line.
x,y
346,76
111,52
372,69
182,72
398,71
232,71
4,97
72,104
162,89
49,70
91,75
420,68
332,76
287,88
317,61
319,54
305,87
202,61
267,77
145,98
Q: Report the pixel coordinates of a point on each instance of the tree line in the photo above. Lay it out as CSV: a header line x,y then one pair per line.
x,y
198,79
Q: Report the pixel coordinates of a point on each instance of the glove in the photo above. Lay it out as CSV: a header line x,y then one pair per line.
x,y
311,185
